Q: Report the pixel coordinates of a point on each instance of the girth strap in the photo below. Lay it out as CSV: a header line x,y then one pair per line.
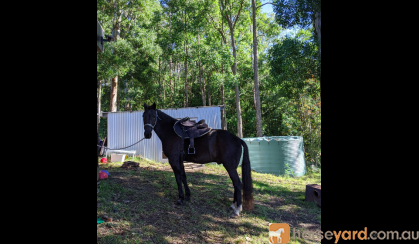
x,y
181,149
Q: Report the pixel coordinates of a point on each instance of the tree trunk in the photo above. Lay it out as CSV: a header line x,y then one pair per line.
x,y
209,92
317,29
256,75
126,96
178,74
130,102
186,69
190,91
118,97
164,93
160,90
223,117
170,60
98,105
251,46
223,111
202,84
114,87
186,76
170,78
227,14
114,93
234,69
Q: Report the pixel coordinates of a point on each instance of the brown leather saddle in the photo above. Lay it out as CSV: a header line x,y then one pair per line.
x,y
187,129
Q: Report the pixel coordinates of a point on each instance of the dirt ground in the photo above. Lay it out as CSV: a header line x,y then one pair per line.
x,y
140,201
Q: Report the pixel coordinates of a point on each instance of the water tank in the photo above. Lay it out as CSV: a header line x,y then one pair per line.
x,y
271,154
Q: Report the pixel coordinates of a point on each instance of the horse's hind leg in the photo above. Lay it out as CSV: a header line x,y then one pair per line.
x,y
234,205
237,192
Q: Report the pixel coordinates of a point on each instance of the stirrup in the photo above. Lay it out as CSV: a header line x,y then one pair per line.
x,y
190,148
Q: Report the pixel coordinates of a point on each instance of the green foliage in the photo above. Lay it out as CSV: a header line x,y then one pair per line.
x,y
149,59
293,61
288,172
116,60
295,84
103,129
289,13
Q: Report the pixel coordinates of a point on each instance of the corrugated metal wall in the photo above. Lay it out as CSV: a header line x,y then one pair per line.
x,y
126,128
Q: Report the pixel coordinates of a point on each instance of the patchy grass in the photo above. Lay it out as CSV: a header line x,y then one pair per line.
x,y
141,205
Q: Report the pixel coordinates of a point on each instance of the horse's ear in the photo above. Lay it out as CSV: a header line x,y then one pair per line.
x,y
153,106
145,106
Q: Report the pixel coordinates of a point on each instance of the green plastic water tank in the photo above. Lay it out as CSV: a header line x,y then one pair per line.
x,y
271,154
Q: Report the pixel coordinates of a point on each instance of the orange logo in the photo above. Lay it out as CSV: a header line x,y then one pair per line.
x,y
279,233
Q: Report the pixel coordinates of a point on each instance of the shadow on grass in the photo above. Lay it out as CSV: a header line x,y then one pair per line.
x,y
141,205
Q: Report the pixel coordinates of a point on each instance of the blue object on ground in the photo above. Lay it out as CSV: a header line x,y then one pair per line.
x,y
105,172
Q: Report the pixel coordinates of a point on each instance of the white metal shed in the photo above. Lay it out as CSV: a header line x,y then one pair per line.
x,y
126,128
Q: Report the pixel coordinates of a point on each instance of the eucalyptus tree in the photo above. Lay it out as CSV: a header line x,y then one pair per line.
x,y
229,11
121,19
302,13
259,132
295,72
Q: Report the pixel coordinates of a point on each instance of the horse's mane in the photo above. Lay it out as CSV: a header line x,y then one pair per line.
x,y
165,116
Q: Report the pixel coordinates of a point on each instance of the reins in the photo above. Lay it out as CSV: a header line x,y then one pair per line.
x,y
152,127
107,148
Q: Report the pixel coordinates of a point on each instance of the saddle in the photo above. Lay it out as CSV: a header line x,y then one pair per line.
x,y
187,129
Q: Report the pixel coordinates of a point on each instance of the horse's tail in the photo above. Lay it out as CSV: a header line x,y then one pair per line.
x,y
247,179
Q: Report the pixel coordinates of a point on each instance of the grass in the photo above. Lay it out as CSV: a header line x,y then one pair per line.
x,y
141,205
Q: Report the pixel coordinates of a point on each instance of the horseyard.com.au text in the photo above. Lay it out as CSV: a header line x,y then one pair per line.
x,y
351,235
356,235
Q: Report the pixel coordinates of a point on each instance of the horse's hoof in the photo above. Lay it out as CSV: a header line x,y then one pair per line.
x,y
179,202
234,215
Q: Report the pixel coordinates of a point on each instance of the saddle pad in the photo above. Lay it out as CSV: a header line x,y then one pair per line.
x,y
178,130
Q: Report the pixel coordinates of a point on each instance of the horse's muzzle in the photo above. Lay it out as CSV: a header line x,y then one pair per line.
x,y
147,135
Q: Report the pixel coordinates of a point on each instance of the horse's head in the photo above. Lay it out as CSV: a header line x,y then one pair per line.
x,y
149,119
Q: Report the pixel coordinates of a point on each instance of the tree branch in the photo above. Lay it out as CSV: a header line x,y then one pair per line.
x,y
235,18
129,25
264,4
268,110
218,29
224,15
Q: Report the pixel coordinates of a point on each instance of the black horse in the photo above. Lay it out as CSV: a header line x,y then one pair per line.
x,y
218,146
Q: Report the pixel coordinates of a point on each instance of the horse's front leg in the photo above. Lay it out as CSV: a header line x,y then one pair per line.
x,y
185,183
177,170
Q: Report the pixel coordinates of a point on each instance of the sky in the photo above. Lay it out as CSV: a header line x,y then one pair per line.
x,y
266,8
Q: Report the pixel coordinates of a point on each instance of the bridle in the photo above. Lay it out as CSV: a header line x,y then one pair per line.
x,y
155,122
